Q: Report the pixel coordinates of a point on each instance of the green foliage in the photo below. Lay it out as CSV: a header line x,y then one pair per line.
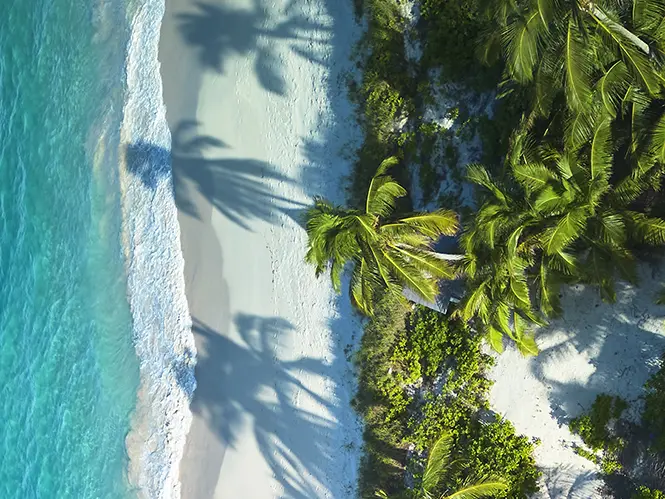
x,y
387,254
647,493
438,468
593,427
572,49
384,92
597,430
381,401
654,407
451,32
426,352
555,219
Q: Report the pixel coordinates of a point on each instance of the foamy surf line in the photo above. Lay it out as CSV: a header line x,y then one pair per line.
x,y
155,267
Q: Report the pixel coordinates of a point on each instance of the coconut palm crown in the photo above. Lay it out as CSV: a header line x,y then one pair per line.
x,y
387,253
576,45
439,462
560,217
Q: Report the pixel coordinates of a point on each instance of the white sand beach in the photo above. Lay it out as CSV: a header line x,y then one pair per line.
x,y
259,119
595,348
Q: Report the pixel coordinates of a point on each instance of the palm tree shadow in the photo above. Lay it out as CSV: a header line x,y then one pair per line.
x,y
253,381
605,348
622,343
220,31
241,189
565,482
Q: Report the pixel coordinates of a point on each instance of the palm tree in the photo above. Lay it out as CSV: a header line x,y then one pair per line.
x,y
559,219
387,253
579,62
574,45
438,463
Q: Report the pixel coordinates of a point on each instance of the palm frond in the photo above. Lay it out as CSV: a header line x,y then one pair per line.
x,y
383,191
483,488
647,175
361,288
330,238
549,201
478,175
546,87
549,290
520,291
578,69
564,262
502,317
521,38
611,228
410,275
533,176
600,155
437,461
612,86
495,339
645,229
527,345
636,60
427,262
658,139
579,127
513,241
545,11
476,303
434,224
564,232
648,14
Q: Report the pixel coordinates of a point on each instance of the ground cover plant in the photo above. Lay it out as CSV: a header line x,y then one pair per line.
x,y
626,451
422,376
573,153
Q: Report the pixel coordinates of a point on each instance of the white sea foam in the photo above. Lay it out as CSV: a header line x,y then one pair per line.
x,y
156,288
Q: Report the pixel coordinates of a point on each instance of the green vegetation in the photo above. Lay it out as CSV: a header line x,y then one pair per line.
x,y
556,220
606,433
569,191
598,432
647,493
594,426
384,94
422,375
654,408
439,463
387,254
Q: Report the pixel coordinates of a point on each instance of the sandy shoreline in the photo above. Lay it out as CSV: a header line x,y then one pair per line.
x,y
253,104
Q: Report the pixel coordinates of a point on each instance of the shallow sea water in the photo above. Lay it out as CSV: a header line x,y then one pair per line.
x,y
68,367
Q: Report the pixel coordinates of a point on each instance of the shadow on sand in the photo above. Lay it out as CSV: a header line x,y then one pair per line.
x,y
255,385
220,31
245,387
243,190
621,345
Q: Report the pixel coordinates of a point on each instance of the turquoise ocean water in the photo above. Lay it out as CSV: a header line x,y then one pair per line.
x,y
69,371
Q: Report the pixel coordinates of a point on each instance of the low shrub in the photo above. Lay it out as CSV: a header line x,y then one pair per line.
x,y
594,426
647,493
422,374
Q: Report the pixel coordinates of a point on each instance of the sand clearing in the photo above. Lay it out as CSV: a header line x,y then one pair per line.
x,y
258,115
595,348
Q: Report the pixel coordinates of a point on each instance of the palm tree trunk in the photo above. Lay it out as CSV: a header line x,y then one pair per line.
x,y
449,257
630,36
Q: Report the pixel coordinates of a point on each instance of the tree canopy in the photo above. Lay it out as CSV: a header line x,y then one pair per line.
x,y
386,252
